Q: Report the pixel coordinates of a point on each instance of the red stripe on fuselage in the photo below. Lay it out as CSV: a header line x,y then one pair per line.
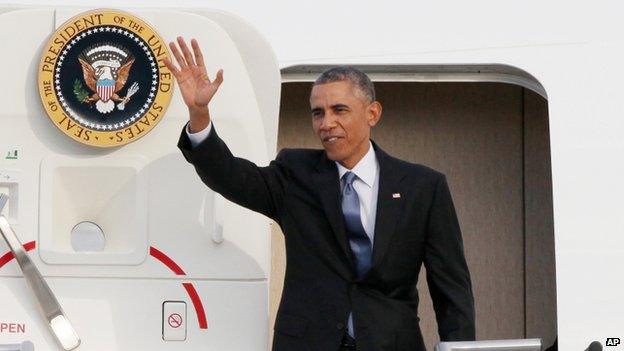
x,y
7,257
159,255
199,307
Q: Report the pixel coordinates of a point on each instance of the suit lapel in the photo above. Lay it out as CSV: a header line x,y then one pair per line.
x,y
328,184
389,205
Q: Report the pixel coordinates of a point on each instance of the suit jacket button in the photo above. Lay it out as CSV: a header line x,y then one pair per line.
x,y
340,326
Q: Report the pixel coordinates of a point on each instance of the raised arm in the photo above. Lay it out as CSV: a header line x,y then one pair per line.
x,y
241,181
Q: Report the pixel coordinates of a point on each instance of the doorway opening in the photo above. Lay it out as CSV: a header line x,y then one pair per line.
x,y
486,127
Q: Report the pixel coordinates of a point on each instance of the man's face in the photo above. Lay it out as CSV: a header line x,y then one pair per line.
x,y
342,119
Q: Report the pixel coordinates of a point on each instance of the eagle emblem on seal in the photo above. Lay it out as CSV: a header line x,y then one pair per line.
x,y
105,68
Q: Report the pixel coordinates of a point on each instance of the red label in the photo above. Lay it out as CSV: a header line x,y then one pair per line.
x,y
12,328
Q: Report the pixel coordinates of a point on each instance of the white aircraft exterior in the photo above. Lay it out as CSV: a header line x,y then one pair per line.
x,y
575,51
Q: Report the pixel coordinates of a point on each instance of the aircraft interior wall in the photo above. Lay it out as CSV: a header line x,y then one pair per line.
x,y
492,142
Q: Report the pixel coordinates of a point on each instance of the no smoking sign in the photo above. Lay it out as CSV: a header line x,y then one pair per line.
x,y
174,320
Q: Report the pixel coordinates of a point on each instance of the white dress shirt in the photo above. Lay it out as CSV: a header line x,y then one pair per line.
x,y
366,184
197,138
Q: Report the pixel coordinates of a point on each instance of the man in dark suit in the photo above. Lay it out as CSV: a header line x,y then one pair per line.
x,y
358,223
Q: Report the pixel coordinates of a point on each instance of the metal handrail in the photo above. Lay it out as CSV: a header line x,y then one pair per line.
x,y
48,304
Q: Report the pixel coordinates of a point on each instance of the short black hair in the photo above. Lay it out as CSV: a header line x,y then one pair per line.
x,y
359,79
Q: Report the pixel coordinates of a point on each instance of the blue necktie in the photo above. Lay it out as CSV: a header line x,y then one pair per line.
x,y
358,240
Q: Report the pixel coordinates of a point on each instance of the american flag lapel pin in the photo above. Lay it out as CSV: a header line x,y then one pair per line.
x,y
396,195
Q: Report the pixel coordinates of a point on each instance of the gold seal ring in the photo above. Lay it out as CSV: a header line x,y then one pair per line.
x,y
102,79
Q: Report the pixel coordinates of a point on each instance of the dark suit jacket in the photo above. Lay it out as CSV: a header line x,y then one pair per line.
x,y
300,190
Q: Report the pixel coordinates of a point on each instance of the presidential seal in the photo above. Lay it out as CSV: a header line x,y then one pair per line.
x,y
102,79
